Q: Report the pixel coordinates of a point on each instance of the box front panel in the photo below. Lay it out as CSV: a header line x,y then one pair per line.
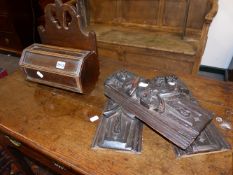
x,y
52,62
50,78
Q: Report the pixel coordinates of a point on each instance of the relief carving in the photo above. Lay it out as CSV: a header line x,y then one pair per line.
x,y
165,104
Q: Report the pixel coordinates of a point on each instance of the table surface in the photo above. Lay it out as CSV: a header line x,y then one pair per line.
x,y
56,122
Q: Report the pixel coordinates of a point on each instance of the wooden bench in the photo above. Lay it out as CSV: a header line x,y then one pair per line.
x,y
155,34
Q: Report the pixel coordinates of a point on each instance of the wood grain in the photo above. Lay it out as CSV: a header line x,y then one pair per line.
x,y
120,25
79,70
56,124
63,27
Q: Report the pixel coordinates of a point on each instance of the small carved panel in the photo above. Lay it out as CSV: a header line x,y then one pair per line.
x,y
164,103
210,140
119,130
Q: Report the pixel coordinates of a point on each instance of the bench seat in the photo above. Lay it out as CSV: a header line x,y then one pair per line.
x,y
145,48
154,34
141,38
157,34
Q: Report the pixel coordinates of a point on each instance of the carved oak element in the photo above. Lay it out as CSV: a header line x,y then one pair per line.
x,y
118,130
164,103
63,27
210,140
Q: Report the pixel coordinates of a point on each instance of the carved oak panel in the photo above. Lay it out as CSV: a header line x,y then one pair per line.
x,y
210,140
164,103
119,130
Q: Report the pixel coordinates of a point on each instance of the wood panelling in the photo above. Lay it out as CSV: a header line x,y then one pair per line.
x,y
103,11
174,13
17,25
158,62
154,26
197,13
151,14
141,11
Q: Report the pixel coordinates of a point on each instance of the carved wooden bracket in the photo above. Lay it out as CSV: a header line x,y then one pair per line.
x,y
63,27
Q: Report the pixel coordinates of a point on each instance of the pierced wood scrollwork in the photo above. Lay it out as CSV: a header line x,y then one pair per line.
x,y
63,27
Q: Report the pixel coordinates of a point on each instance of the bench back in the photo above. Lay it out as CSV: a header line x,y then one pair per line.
x,y
161,15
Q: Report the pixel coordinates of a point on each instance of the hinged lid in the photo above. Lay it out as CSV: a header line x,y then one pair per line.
x,y
66,68
59,60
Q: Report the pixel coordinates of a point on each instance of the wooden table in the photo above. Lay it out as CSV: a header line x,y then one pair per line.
x,y
55,124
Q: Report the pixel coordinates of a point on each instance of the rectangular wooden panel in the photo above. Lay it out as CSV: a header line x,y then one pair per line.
x,y
140,11
197,12
174,13
118,130
159,62
102,10
51,78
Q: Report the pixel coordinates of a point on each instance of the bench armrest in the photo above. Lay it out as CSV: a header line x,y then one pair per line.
x,y
209,17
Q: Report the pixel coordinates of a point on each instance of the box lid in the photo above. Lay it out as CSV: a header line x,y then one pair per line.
x,y
59,60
